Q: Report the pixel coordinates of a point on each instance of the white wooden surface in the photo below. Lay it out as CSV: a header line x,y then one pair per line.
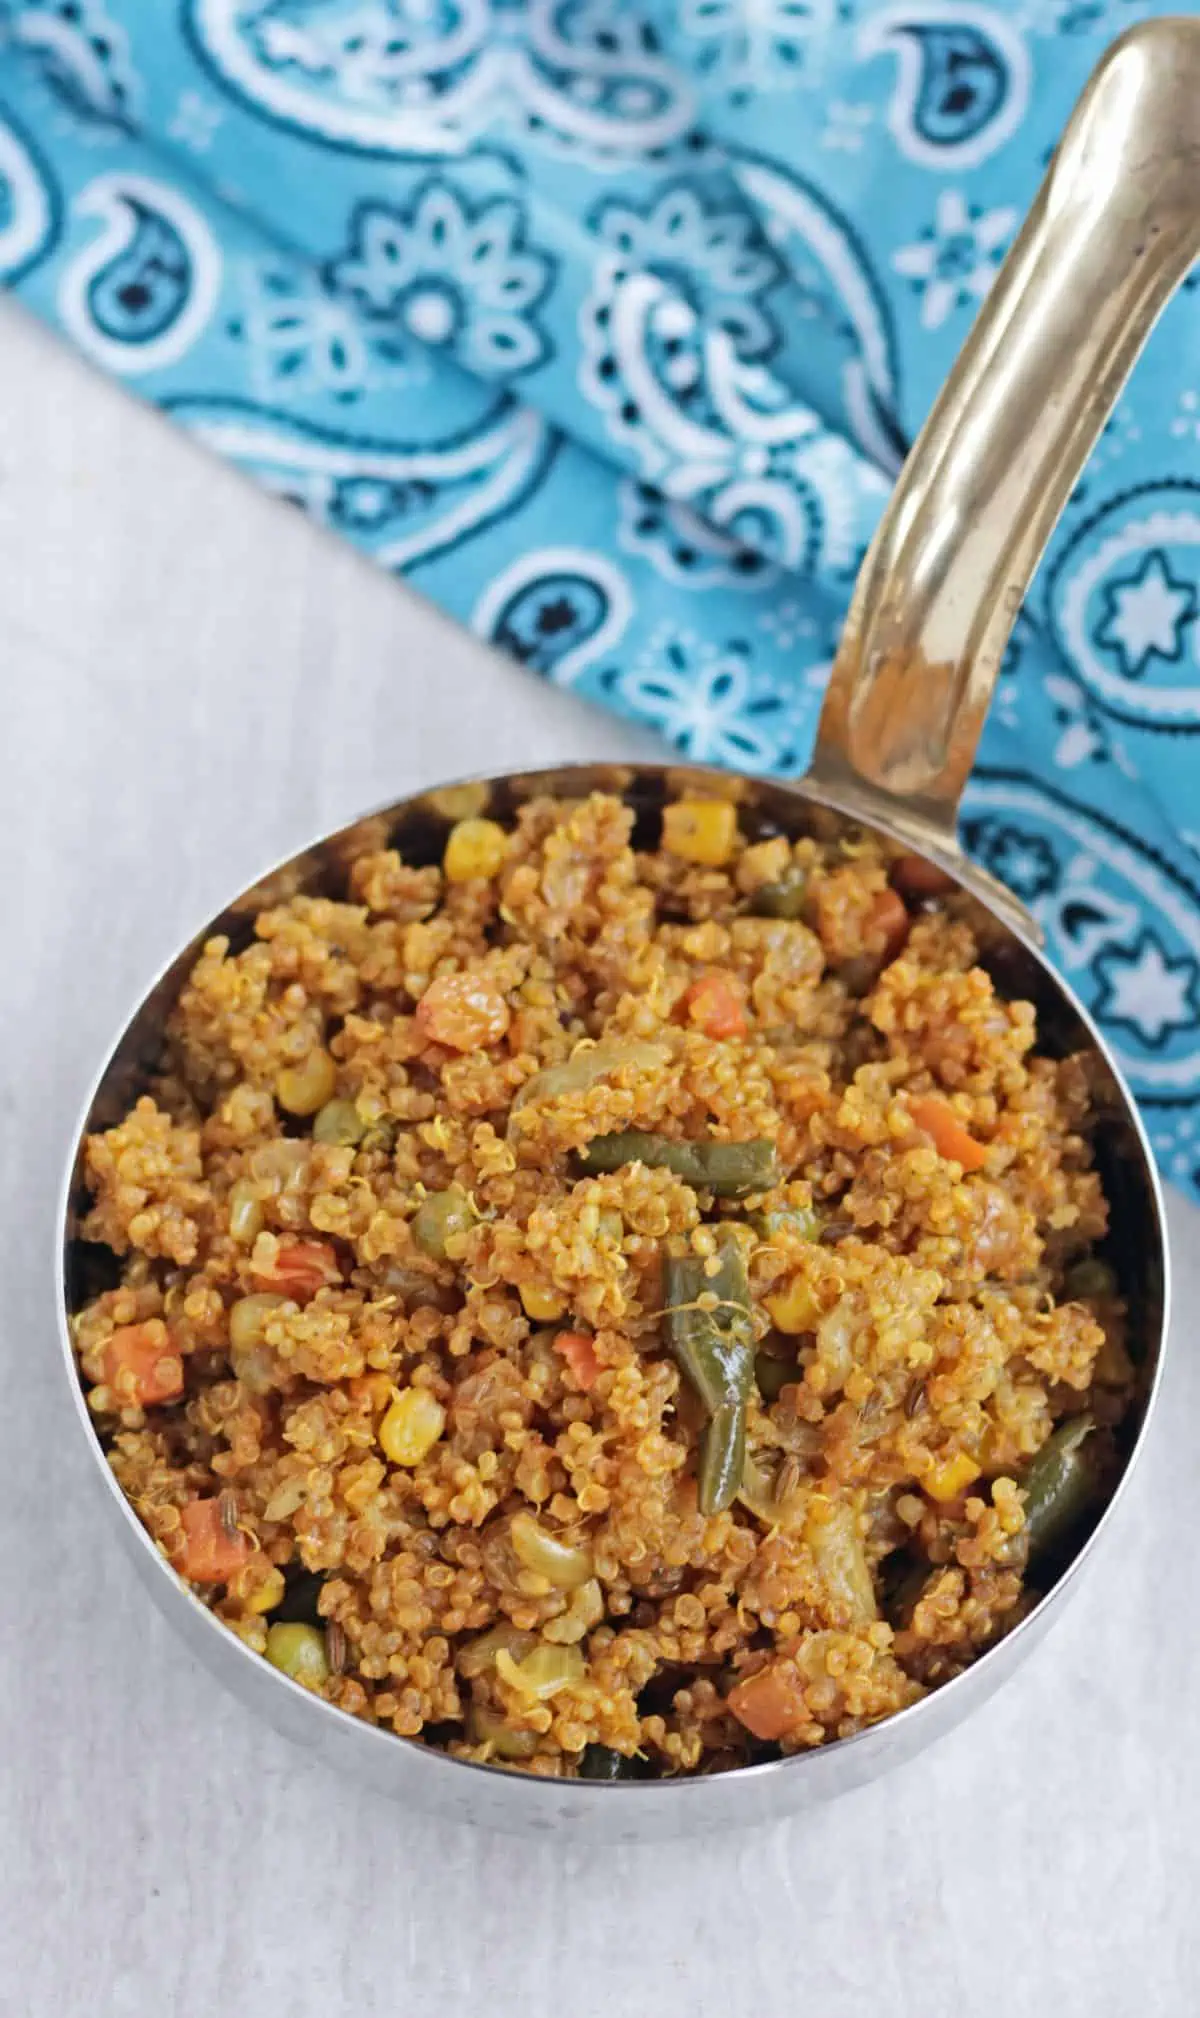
x,y
195,680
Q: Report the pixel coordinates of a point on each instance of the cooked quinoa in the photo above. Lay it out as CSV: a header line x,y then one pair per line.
x,y
522,1439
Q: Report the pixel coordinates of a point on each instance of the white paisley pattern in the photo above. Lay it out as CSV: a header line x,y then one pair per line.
x,y
28,205
556,610
1089,883
954,261
451,274
405,503
301,338
82,54
683,547
674,334
755,45
426,77
142,291
701,696
1125,601
963,79
808,232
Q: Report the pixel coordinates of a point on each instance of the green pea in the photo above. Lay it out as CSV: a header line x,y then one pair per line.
x,y
440,1217
299,1652
785,898
339,1122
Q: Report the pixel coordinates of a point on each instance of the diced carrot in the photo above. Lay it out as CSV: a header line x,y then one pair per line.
x,y
950,1138
580,1354
210,1554
300,1269
889,920
714,1006
916,877
770,1703
462,1012
141,1364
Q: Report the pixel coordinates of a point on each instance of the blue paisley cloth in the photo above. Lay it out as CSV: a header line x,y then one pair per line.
x,y
607,325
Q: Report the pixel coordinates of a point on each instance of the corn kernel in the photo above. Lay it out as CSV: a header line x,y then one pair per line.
x,y
304,1088
412,1426
544,1306
245,1213
951,1476
794,1308
700,830
475,848
267,1592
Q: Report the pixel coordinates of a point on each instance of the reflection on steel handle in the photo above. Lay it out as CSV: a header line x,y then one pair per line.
x,y
1112,232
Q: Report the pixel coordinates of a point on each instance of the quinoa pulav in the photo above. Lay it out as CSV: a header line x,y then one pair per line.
x,y
609,1309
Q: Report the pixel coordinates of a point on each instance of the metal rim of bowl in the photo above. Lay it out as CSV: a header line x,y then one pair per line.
x,y
324,1713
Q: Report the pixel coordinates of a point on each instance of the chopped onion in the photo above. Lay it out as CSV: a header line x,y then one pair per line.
x,y
561,1565
759,1491
831,1532
543,1672
487,1728
479,1657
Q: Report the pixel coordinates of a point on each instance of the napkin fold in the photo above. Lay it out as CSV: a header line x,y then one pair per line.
x,y
607,326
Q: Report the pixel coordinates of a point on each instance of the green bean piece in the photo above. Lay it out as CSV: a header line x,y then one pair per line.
x,y
601,1762
722,1456
1091,1278
786,898
714,1350
713,1347
728,1169
802,1220
339,1122
439,1217
1061,1486
773,1375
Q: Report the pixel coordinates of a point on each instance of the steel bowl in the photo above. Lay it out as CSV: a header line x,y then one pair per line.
x,y
1112,232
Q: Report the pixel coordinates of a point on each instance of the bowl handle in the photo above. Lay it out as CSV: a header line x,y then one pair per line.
x,y
1112,232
